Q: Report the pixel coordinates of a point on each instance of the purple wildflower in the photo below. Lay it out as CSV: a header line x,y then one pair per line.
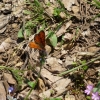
x,y
95,96
11,89
88,90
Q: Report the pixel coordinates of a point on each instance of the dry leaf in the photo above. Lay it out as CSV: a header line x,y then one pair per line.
x,y
63,28
50,10
19,64
68,61
86,33
54,65
46,94
6,44
93,49
41,84
62,15
49,75
69,97
68,4
85,53
75,9
1,61
9,78
2,92
60,85
68,36
6,85
33,96
3,29
48,49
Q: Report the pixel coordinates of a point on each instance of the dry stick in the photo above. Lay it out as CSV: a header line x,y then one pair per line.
x,y
66,72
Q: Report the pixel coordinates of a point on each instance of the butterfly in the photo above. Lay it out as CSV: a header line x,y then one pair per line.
x,y
39,41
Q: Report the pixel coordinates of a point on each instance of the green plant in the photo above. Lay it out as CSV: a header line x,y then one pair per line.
x,y
16,74
52,99
80,66
96,3
53,38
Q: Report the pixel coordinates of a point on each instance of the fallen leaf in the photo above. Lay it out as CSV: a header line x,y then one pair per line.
x,y
93,49
86,33
19,64
41,84
33,96
85,53
62,30
50,10
49,76
63,15
68,36
60,85
68,61
54,65
6,44
68,4
46,94
69,97
2,92
75,9
9,78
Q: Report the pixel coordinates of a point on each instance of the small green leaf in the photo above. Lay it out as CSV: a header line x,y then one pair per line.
x,y
50,33
20,33
56,11
28,32
53,39
95,89
32,84
28,24
84,67
55,99
88,97
98,44
97,3
37,3
27,12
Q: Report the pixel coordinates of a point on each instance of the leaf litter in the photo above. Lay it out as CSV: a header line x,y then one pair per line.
x,y
76,42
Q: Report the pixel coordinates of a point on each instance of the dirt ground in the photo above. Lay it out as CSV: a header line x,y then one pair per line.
x,y
77,53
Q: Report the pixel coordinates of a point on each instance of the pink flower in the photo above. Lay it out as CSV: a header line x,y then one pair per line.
x,y
88,90
95,96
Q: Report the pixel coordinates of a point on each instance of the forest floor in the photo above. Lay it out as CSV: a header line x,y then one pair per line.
x,y
50,50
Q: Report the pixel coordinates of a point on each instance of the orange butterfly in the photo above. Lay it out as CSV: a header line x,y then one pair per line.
x,y
39,41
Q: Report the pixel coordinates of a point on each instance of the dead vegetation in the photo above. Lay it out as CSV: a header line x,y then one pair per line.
x,y
72,57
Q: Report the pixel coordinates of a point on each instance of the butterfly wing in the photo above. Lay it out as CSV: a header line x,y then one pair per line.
x,y
40,39
42,35
34,45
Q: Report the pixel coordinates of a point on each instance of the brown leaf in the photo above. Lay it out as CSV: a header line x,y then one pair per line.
x,y
62,30
54,65
68,4
46,94
69,97
41,84
75,9
60,85
2,92
9,78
